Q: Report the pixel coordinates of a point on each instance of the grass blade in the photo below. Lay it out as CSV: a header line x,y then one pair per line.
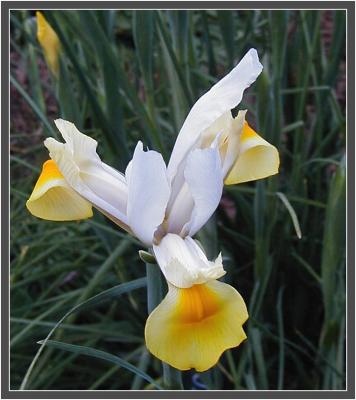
x,y
106,295
88,351
292,213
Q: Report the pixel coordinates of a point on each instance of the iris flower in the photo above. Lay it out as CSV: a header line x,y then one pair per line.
x,y
49,42
165,206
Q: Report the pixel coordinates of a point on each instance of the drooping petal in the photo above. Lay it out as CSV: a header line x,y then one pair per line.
x,y
257,159
148,193
192,327
49,42
83,170
53,199
203,175
222,97
183,263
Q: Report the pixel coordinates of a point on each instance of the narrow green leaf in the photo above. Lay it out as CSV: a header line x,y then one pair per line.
x,y
88,351
147,257
34,107
226,23
257,349
208,43
98,113
168,45
292,213
293,126
334,238
308,267
281,356
143,33
99,298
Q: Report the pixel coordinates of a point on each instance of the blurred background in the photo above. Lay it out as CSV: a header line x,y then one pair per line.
x,y
125,76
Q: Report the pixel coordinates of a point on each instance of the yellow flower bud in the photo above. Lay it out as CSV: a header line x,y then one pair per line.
x,y
49,42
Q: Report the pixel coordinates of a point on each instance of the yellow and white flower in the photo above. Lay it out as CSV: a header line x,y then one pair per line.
x,y
164,206
150,199
200,317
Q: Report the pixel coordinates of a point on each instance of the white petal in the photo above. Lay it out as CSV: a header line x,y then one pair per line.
x,y
83,147
184,264
148,193
222,97
83,170
180,210
203,175
233,136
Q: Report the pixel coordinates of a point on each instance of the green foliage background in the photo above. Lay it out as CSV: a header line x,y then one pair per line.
x,y
133,75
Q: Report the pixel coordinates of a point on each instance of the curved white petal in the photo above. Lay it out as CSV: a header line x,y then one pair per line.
x,y
183,263
83,170
180,210
232,145
204,177
148,193
201,185
222,97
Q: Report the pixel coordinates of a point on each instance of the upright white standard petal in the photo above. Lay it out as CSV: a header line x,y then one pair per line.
x,y
230,131
221,98
183,262
83,170
204,177
180,208
148,193
200,192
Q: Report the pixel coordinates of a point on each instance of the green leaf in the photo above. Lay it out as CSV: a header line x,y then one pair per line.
x,y
333,254
292,213
34,107
226,22
143,33
147,257
99,298
256,343
168,45
88,351
97,110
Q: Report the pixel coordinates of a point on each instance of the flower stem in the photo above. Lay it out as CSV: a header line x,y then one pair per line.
x,y
154,286
172,378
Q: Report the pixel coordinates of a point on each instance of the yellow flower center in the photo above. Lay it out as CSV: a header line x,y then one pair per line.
x,y
49,171
196,304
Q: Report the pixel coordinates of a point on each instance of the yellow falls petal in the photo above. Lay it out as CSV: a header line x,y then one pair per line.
x,y
49,42
53,199
192,327
257,159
